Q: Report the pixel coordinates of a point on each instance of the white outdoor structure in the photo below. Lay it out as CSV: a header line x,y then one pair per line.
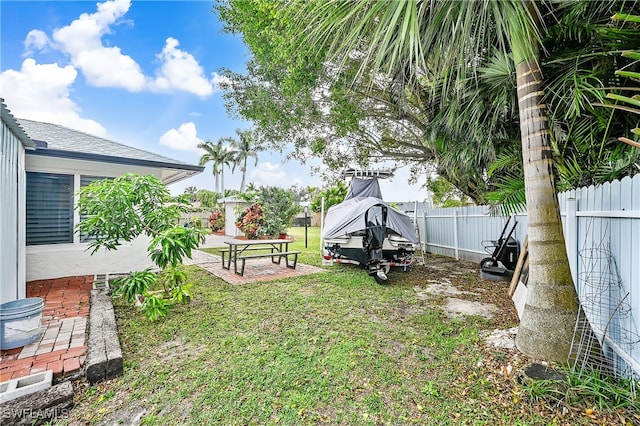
x,y
63,161
12,199
231,208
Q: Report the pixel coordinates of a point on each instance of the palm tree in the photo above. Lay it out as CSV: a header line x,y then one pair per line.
x,y
191,190
219,155
245,147
448,39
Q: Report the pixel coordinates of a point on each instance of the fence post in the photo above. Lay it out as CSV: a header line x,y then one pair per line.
x,y
423,234
455,233
571,237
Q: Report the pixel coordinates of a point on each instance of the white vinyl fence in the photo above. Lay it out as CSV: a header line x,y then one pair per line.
x,y
602,233
189,218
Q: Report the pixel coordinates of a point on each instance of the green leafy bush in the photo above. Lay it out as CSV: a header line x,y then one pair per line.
x,y
131,205
251,221
216,220
136,283
279,207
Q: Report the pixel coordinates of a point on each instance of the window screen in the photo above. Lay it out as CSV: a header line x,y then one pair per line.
x,y
49,208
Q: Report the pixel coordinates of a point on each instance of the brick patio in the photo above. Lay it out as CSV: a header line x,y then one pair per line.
x,y
62,343
256,270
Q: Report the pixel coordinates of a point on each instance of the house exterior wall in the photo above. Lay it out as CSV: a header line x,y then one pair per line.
x,y
12,218
61,260
66,260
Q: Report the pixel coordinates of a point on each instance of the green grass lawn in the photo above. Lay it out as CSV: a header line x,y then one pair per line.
x,y
330,348
310,255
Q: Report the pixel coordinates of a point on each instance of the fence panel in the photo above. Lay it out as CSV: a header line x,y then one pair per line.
x,y
602,232
188,218
466,233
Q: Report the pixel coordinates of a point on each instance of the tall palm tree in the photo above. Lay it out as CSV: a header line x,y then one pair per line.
x,y
448,39
219,155
245,147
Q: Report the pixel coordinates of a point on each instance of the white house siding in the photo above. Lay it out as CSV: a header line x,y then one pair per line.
x,y
63,260
12,237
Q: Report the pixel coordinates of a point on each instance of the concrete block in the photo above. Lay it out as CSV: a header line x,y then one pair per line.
x,y
15,388
38,407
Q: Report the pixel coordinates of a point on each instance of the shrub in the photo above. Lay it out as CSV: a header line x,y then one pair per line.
x,y
216,220
196,222
251,221
126,207
280,207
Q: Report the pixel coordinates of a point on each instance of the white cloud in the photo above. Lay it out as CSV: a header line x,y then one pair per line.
x,y
101,65
180,71
41,92
108,66
270,174
185,138
37,40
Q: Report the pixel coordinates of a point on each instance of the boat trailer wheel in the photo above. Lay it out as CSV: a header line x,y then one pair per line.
x,y
381,274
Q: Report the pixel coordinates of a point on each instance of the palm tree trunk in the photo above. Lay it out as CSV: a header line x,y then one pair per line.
x,y
550,312
222,180
243,169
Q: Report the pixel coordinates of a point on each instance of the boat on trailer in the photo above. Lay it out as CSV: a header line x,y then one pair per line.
x,y
367,231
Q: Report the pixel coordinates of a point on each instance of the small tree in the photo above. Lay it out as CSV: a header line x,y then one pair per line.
x,y
280,207
191,190
333,195
131,205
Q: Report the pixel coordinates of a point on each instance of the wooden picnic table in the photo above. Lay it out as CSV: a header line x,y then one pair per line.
x,y
241,250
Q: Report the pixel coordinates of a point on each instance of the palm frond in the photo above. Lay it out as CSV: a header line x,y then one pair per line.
x,y
509,196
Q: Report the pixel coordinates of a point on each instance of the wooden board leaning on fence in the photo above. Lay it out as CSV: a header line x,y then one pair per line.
x,y
521,273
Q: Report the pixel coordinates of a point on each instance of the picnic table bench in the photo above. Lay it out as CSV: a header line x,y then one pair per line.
x,y
241,250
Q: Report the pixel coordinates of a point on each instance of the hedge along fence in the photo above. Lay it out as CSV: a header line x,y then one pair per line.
x,y
602,234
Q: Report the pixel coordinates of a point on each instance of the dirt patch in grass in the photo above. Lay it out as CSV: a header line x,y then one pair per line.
x,y
457,288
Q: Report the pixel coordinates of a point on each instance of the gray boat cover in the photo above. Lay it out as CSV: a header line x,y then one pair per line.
x,y
363,188
349,216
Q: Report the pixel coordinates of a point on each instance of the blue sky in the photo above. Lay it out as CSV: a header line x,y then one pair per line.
x,y
143,73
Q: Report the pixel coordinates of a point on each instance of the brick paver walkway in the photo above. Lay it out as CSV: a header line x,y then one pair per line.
x,y
62,343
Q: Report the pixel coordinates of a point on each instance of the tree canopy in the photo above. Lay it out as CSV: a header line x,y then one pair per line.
x,y
464,83
329,107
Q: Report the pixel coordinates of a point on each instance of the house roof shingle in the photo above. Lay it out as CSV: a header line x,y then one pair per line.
x,y
60,141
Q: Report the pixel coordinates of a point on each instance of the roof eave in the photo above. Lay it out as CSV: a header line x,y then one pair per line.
x,y
11,122
177,177
73,155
